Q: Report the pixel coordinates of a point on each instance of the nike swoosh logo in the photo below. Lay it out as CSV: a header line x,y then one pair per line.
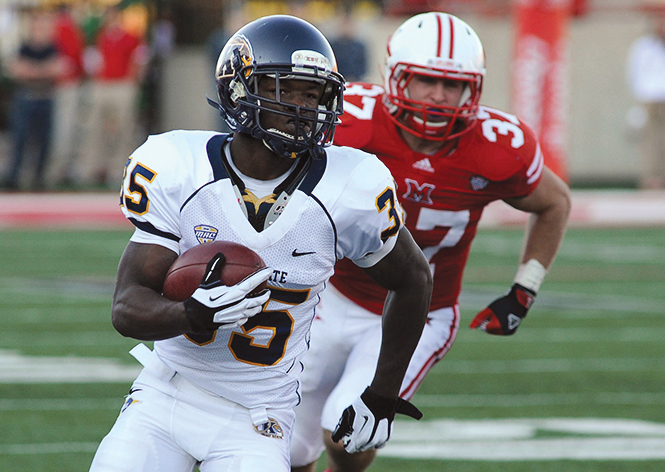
x,y
366,418
295,253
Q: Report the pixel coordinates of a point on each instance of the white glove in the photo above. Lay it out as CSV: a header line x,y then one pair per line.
x,y
367,423
214,305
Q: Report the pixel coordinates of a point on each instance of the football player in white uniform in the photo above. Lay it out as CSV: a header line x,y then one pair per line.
x,y
219,387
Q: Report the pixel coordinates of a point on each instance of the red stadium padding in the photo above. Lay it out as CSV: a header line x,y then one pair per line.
x,y
101,211
540,76
81,210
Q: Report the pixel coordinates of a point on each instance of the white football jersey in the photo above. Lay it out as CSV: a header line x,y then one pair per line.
x,y
177,193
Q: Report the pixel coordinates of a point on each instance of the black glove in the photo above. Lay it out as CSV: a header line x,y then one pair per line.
x,y
367,423
504,315
214,305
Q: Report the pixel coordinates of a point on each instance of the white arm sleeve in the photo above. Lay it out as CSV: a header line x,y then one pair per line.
x,y
143,237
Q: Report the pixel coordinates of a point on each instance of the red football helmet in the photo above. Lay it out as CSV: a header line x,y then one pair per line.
x,y
434,45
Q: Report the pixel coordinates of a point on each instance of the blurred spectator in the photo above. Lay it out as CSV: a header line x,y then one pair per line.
x,y
350,51
6,86
91,20
34,70
116,65
70,42
162,42
646,78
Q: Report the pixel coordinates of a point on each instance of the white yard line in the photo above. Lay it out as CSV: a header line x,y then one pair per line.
x,y
592,439
499,244
18,368
525,439
576,335
605,449
78,339
60,404
522,439
604,304
534,366
48,448
537,399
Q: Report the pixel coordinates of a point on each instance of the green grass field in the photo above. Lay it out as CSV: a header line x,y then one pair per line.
x,y
580,387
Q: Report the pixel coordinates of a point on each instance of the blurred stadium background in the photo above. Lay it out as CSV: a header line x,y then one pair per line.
x,y
580,388
601,128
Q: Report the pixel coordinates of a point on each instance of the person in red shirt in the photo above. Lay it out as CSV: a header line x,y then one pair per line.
x,y
70,44
116,64
450,158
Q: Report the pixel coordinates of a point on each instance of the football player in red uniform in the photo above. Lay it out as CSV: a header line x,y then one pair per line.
x,y
450,157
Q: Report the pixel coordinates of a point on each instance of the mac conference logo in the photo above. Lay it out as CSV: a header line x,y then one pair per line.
x,y
205,233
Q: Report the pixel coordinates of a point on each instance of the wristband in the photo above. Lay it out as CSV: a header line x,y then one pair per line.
x,y
531,275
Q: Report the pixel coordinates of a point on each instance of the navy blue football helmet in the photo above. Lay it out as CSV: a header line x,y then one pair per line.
x,y
279,47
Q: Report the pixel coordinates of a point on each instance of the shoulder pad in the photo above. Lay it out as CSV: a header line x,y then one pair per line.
x,y
507,144
361,102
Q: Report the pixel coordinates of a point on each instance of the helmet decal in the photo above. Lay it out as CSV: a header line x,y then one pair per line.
x,y
242,54
313,59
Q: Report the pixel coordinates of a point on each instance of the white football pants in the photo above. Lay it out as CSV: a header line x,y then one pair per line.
x,y
169,424
340,364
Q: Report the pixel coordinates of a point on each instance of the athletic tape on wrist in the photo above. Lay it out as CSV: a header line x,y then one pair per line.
x,y
531,275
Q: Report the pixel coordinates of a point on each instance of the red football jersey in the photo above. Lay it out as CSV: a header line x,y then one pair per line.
x,y
443,196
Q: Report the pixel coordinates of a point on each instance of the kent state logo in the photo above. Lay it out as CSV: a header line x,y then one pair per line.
x,y
205,233
418,193
240,53
129,401
270,428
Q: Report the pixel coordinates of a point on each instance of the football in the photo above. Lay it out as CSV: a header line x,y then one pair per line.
x,y
187,271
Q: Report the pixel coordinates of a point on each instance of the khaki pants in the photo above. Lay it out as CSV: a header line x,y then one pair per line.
x,y
110,136
66,132
652,174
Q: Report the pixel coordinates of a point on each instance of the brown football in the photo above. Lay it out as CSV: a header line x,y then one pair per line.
x,y
187,271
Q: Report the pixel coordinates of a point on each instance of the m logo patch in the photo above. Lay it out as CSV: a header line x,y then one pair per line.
x,y
270,428
418,193
205,233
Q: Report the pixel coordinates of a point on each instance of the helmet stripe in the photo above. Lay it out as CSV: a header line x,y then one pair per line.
x,y
452,37
439,26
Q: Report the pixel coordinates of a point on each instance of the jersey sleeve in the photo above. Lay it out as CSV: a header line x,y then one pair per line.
x,y
508,152
533,163
158,178
368,214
